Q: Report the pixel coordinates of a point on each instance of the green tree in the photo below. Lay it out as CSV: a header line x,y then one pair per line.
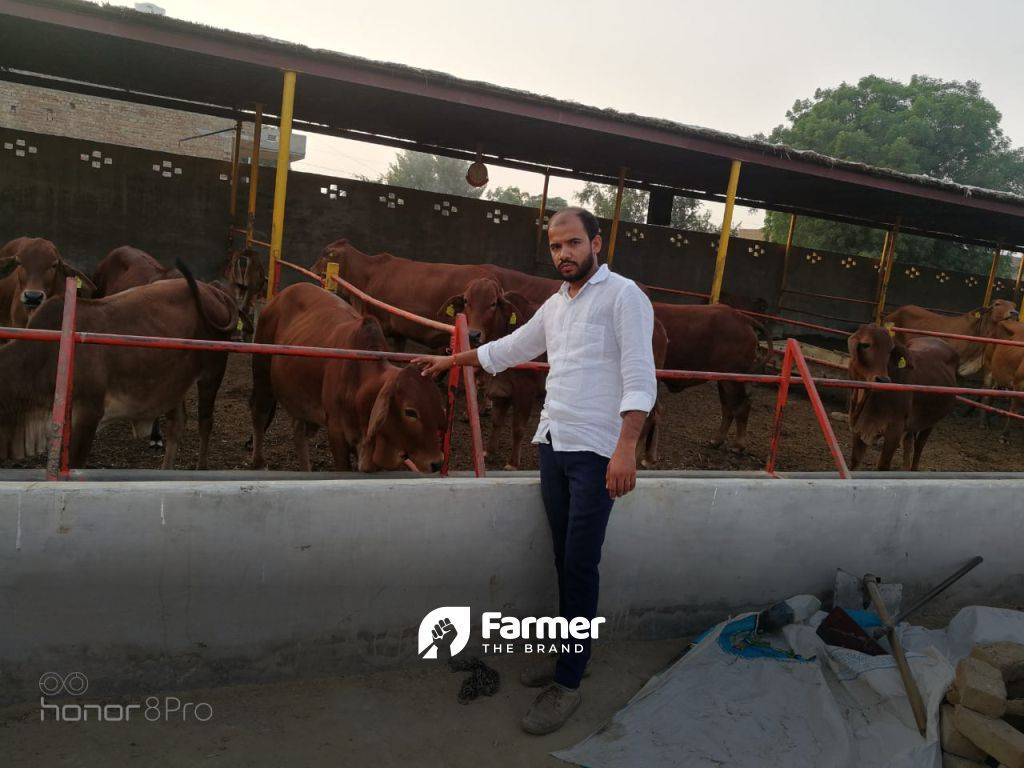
x,y
516,196
600,198
431,173
944,129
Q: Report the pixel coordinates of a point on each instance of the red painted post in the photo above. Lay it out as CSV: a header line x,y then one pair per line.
x,y
472,406
819,409
60,420
453,386
780,404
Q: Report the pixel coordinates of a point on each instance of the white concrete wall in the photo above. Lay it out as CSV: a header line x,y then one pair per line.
x,y
143,586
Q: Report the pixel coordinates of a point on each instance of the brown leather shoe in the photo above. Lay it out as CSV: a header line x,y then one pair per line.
x,y
551,709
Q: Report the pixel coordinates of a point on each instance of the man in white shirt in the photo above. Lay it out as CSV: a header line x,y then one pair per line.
x,y
596,331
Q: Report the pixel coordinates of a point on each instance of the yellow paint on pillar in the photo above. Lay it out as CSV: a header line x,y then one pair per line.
x,y
281,179
723,238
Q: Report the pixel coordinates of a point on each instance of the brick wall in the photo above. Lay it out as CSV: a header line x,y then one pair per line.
x,y
59,113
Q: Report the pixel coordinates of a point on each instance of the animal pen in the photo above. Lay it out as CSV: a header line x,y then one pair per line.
x,y
206,70
223,576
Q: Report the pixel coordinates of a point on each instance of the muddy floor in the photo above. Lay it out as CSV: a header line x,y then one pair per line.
x,y
407,717
690,418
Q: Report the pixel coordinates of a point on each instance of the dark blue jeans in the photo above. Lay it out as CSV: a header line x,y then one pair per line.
x,y
577,504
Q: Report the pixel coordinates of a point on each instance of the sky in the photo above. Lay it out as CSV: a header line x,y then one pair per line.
x,y
734,66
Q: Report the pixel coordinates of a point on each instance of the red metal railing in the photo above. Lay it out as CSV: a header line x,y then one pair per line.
x,y
794,355
60,429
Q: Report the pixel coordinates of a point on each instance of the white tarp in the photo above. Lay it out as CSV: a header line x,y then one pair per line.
x,y
734,700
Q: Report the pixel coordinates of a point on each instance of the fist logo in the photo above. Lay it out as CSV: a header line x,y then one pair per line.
x,y
444,630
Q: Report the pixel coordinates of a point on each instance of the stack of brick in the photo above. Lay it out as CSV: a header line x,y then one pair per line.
x,y
979,725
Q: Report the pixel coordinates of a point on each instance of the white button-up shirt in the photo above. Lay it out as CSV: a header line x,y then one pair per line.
x,y
602,364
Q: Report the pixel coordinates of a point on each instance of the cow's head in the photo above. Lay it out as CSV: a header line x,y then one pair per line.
x,y
407,422
246,281
491,312
991,316
335,251
39,272
876,356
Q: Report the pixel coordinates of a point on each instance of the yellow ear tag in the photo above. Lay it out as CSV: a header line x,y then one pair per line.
x,y
977,314
892,333
238,325
78,283
449,310
512,319
902,363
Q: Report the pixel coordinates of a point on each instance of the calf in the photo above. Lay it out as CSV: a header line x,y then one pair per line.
x,y
896,417
115,382
381,412
977,322
31,271
714,338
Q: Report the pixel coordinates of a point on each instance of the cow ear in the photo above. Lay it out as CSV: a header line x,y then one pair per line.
x,y
7,266
378,415
900,358
452,307
518,309
80,277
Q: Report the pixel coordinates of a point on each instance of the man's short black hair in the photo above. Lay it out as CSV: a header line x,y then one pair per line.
x,y
589,220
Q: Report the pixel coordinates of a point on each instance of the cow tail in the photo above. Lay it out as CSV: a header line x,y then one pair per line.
x,y
193,288
761,359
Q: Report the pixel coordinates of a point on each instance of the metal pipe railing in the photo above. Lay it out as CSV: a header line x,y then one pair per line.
x,y
67,337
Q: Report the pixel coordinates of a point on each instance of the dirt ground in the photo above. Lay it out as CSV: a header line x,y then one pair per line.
x,y
396,718
690,418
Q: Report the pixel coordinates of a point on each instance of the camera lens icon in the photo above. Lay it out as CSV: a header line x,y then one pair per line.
x,y
52,684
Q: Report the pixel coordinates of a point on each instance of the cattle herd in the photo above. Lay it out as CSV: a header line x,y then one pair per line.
x,y
379,416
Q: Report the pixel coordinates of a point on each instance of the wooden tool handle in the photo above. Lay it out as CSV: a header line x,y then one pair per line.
x,y
913,692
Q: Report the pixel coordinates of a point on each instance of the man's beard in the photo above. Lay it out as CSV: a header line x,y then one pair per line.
x,y
582,271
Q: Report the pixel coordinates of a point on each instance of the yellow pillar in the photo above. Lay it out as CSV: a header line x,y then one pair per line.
x,y
254,175
613,235
886,270
723,238
281,180
540,214
235,152
992,277
785,255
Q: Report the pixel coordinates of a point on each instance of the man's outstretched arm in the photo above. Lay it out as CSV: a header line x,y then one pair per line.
x,y
521,346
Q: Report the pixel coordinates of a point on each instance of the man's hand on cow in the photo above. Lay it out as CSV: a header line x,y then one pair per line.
x,y
620,478
434,365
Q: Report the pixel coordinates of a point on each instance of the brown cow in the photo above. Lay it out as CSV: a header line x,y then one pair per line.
x,y
495,312
32,270
977,322
714,338
127,267
896,417
114,382
415,286
381,412
1004,365
421,287
245,279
